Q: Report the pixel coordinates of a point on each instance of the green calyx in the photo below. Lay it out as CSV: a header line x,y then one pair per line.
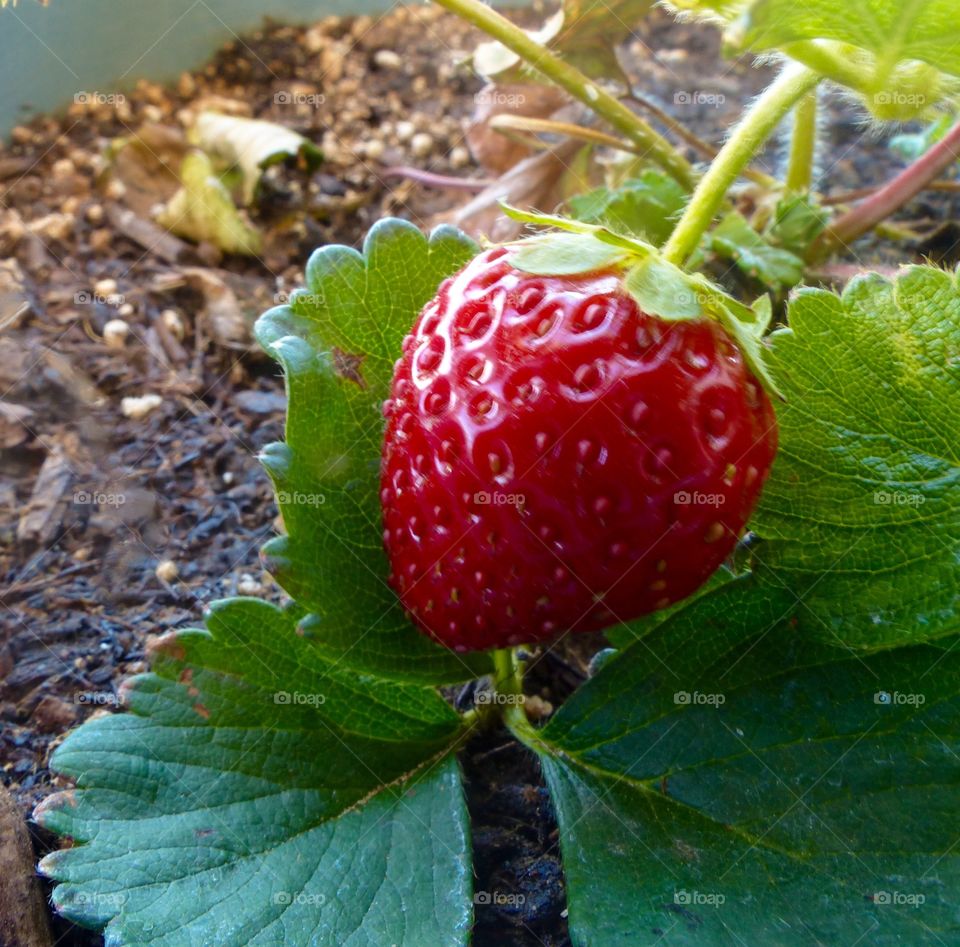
x,y
659,287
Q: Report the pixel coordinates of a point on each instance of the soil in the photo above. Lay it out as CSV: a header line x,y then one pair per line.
x,y
116,526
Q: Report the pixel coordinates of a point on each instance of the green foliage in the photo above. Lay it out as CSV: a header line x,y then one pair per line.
x,y
257,794
725,781
893,31
861,515
646,207
337,341
734,239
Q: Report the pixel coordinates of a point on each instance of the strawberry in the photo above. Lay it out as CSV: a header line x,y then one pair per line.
x,y
556,460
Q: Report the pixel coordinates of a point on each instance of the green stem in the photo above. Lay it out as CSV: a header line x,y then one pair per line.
x,y
507,676
802,145
745,141
822,59
581,87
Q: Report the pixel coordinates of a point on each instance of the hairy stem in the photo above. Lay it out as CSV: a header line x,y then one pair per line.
x,y
803,143
745,141
581,87
893,195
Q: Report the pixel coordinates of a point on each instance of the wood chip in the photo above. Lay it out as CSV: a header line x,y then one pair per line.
x,y
39,519
23,910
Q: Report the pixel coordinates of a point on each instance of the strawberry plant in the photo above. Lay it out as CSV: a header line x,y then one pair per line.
x,y
755,498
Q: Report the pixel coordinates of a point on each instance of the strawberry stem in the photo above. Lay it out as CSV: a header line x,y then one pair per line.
x,y
647,140
802,145
507,674
745,141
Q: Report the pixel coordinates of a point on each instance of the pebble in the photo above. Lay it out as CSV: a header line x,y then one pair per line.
x,y
115,190
105,287
405,130
248,585
459,157
53,227
387,59
167,570
115,334
138,408
421,144
374,149
62,170
174,324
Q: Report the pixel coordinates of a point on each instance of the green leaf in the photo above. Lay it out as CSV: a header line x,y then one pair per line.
x,y
252,146
257,795
664,290
647,207
725,781
893,30
203,210
736,240
861,514
337,341
558,254
797,222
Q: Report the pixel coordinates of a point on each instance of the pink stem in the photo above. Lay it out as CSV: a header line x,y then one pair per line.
x,y
893,195
437,180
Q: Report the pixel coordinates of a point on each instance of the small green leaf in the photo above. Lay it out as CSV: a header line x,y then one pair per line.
x,y
724,781
647,207
910,146
663,290
736,240
797,222
861,514
203,210
337,341
560,254
257,795
252,146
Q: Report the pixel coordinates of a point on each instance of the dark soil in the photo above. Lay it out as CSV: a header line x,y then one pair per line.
x,y
88,579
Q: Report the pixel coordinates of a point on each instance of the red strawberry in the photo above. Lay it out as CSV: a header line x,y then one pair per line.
x,y
555,459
